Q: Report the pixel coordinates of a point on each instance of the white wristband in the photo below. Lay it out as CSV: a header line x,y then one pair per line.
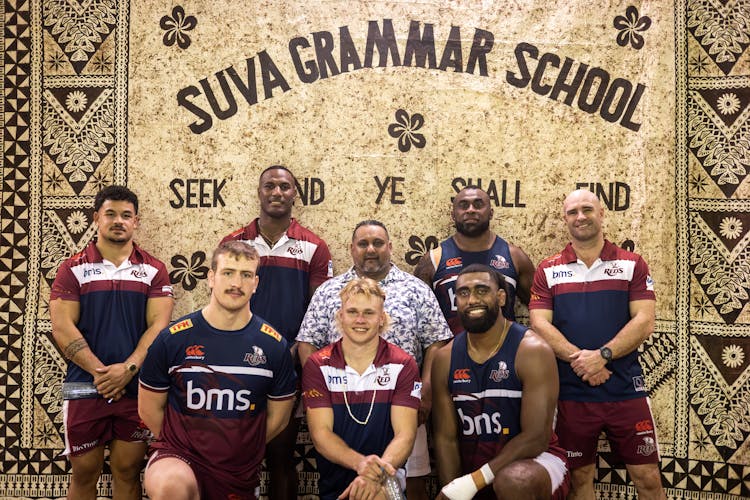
x,y
487,473
461,488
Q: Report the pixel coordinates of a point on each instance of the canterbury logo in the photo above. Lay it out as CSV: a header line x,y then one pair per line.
x,y
268,330
455,261
461,374
643,426
195,350
182,325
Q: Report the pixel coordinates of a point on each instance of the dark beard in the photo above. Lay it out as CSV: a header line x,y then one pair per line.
x,y
472,231
481,324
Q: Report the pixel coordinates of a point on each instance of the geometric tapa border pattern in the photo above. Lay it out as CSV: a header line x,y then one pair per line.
x,y
39,472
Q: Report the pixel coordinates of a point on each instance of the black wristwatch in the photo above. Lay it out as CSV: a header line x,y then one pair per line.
x,y
606,353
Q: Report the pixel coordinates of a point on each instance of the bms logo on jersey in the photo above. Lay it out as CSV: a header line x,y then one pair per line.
x,y
218,399
481,424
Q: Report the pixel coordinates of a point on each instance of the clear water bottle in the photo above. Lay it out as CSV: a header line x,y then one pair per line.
x,y
79,390
392,488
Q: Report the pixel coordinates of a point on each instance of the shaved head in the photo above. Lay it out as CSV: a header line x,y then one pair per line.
x,y
581,195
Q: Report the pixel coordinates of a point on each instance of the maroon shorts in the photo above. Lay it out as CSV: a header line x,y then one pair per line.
x,y
90,423
211,484
629,427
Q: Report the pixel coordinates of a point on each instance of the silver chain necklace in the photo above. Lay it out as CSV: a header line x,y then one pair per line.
x,y
348,408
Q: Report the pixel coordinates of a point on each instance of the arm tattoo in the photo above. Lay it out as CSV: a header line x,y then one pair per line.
x,y
72,349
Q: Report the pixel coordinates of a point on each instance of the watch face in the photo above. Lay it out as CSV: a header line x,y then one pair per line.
x,y
606,353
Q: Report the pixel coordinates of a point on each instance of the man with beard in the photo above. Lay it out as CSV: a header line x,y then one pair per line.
x,y
594,303
294,261
107,304
474,243
495,388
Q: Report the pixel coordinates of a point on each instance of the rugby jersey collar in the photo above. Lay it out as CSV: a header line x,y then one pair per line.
x,y
94,255
609,252
293,232
337,354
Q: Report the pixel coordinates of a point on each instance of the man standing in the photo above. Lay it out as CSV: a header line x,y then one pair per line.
x,y
215,387
294,261
361,394
474,243
594,304
418,327
497,383
107,304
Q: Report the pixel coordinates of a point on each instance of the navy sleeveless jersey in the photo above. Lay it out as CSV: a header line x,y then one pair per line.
x,y
453,260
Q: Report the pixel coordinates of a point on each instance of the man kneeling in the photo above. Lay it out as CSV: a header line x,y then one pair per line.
x,y
362,394
494,393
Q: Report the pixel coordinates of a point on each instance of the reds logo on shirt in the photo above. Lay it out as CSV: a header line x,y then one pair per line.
x,y
501,373
255,358
499,262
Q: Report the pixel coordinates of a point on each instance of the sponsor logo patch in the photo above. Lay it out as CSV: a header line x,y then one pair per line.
x,y
383,377
139,274
614,270
454,262
182,325
638,384
644,426
501,373
268,330
195,351
255,358
417,390
649,283
647,448
462,376
562,274
499,262
312,393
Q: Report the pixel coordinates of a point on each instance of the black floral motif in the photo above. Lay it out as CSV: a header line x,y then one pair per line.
x,y
175,27
628,26
405,130
419,248
188,274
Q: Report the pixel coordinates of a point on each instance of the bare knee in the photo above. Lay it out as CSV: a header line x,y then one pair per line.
x,y
171,479
88,467
522,479
647,480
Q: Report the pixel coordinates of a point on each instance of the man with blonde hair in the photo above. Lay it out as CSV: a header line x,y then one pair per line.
x,y
361,394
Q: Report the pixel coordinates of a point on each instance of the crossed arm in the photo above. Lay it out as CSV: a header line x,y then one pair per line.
x,y
588,363
110,380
